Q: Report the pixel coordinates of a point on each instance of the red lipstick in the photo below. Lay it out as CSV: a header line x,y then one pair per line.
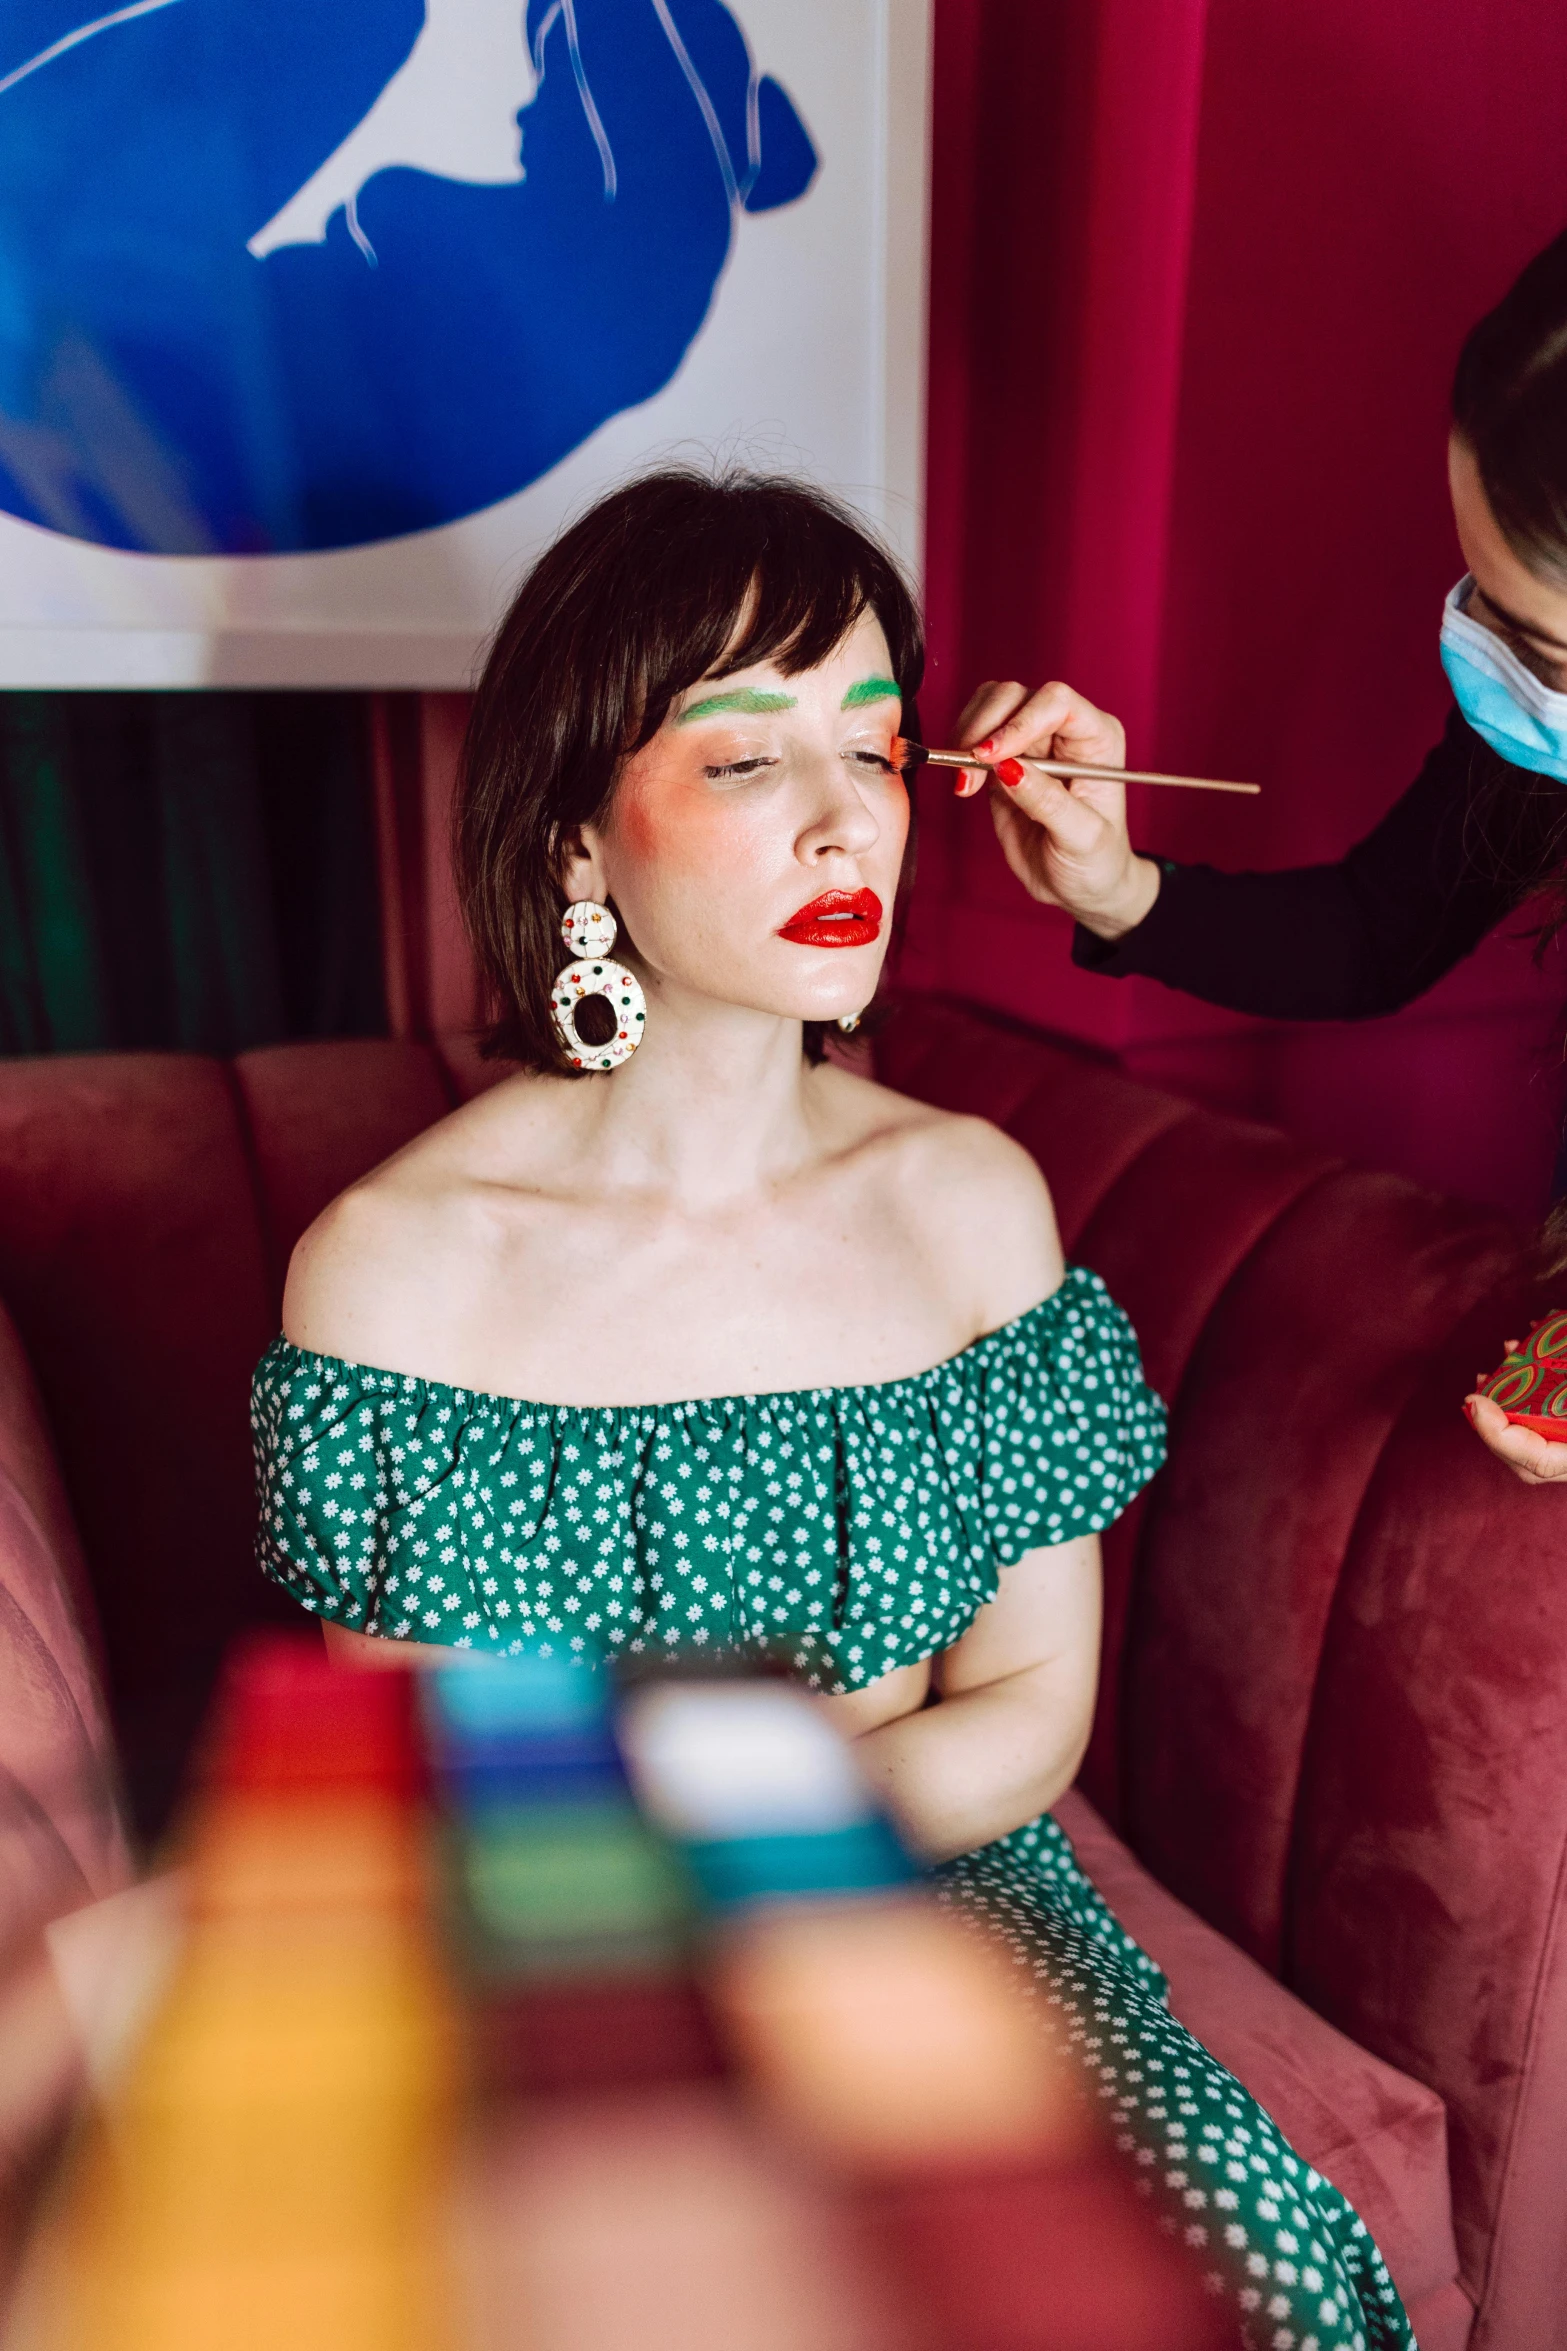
x,y
838,918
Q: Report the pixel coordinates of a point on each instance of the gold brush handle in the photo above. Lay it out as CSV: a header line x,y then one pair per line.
x,y
1119,775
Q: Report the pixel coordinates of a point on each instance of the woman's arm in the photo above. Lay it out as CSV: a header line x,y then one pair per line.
x,y
1016,1699
1465,844
372,1649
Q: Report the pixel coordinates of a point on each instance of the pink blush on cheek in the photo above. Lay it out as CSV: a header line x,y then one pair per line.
x,y
641,825
658,817
672,831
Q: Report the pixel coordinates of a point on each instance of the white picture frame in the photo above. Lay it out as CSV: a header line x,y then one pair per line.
x,y
811,361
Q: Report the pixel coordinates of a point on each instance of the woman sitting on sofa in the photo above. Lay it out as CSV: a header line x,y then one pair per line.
x,y
804,1373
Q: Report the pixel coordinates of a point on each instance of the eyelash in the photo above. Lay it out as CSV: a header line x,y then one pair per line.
x,y
1540,664
751,767
1543,665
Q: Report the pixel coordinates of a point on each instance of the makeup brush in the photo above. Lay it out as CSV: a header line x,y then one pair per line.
x,y
909,757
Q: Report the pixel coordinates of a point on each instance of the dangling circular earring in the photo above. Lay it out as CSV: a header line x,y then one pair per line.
x,y
589,931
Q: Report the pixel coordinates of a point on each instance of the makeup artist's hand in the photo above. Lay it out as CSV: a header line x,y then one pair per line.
x,y
1527,1454
1067,843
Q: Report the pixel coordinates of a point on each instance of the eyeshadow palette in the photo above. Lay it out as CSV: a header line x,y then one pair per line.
x,y
523,2007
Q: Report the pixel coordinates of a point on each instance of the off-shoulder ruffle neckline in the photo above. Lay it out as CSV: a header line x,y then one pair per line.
x,y
489,1402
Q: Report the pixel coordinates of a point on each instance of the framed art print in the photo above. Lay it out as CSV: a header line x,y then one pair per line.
x,y
316,323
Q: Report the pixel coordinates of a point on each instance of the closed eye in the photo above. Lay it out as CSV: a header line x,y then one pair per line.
x,y
1545,668
875,759
737,769
1539,664
1543,660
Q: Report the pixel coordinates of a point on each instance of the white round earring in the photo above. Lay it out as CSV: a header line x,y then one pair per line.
x,y
849,1022
589,931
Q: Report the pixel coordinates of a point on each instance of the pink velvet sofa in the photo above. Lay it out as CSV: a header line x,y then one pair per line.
x,y
1328,1782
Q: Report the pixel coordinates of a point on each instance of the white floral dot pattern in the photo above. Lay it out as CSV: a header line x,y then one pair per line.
x,y
1275,2239
848,1530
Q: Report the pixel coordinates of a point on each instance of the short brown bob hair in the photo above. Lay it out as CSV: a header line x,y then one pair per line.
x,y
634,603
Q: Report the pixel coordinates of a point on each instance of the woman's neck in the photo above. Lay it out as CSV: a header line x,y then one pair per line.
x,y
715,1105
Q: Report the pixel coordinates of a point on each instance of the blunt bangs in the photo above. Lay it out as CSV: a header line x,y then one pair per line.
x,y
771,573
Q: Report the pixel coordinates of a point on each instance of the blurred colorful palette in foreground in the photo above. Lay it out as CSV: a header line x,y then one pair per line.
x,y
519,2011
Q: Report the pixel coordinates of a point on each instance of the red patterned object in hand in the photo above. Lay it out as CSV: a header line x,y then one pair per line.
x,y
1530,1383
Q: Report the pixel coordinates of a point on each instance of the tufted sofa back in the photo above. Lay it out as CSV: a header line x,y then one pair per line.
x,y
148,1206
1334,1705
1333,1713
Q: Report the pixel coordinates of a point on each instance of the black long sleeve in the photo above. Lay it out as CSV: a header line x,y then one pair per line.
x,y
1468,842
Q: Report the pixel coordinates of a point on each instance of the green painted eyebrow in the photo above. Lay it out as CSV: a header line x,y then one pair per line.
x,y
745,700
872,690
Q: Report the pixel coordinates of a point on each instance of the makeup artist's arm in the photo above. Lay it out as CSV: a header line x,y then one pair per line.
x,y
1016,1699
1457,851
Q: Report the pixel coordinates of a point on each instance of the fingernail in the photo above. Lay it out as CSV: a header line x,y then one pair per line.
x,y
984,749
1010,772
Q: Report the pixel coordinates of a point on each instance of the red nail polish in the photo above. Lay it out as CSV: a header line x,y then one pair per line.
x,y
1010,772
984,749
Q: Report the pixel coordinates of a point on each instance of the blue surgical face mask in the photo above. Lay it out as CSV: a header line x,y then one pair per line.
x,y
1503,701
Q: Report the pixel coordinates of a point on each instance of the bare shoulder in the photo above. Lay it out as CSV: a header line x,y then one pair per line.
x,y
363,1277
983,1205
974,1201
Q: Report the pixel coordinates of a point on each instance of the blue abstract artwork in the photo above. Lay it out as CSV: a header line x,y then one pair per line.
x,y
287,275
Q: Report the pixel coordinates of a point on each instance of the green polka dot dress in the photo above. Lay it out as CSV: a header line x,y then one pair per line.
x,y
850,1530
1272,2235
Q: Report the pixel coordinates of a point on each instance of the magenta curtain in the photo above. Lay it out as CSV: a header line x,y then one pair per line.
x,y
1200,274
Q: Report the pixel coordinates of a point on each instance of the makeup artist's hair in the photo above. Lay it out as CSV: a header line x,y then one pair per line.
x,y
677,577
1510,407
